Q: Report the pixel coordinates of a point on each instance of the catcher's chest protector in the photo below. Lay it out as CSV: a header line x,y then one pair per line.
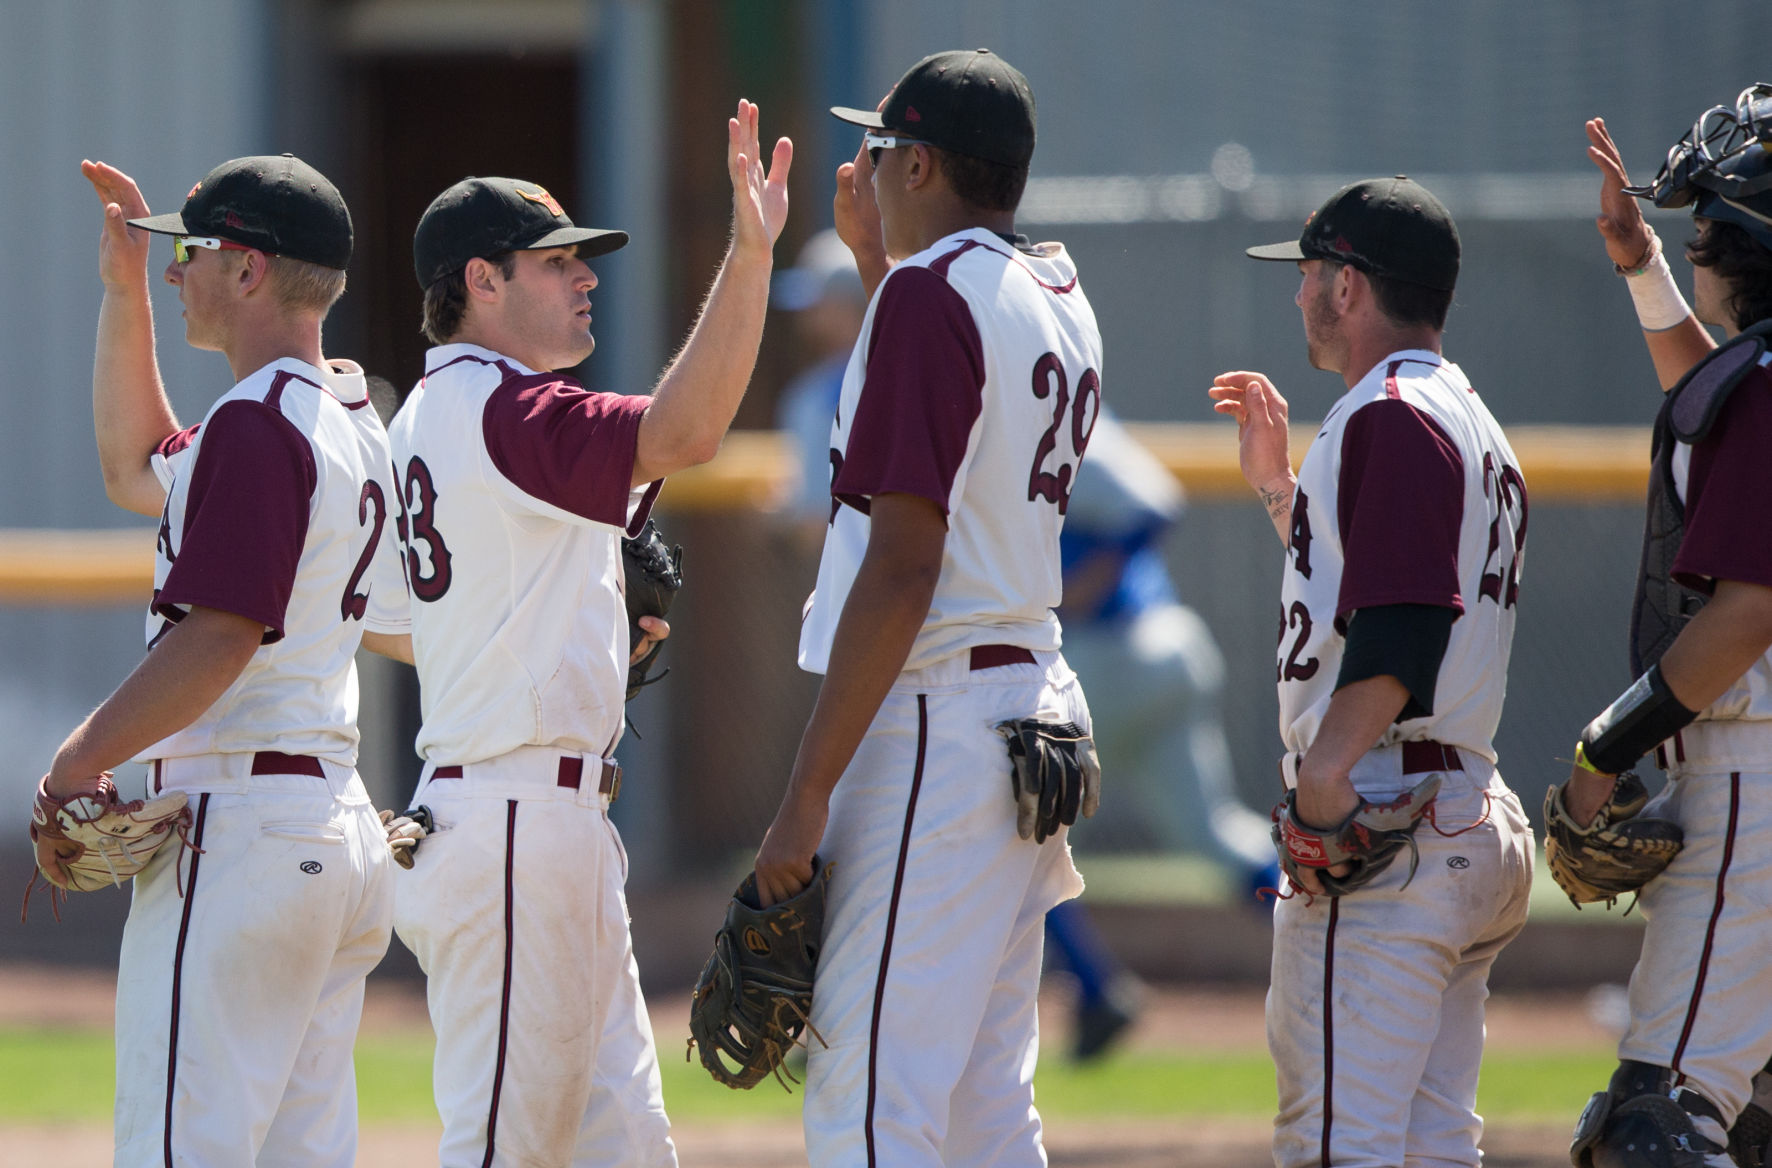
x,y
1662,605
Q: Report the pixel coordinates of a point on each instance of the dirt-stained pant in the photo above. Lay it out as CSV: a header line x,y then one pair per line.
x,y
240,984
1698,996
1375,1013
515,910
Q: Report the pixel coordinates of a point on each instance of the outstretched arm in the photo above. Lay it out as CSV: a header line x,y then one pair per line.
x,y
699,393
1676,345
130,413
1262,441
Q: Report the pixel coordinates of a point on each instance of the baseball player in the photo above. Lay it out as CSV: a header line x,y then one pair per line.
x,y
1404,532
518,485
241,976
1702,627
965,411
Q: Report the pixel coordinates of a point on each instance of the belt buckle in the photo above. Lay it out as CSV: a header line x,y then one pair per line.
x,y
614,771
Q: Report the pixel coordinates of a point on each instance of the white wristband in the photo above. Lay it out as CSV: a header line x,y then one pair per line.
x,y
1659,303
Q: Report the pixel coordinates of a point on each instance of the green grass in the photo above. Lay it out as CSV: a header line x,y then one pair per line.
x,y
66,1075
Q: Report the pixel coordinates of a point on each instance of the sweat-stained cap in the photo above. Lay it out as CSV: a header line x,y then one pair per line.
x,y
970,101
487,216
1390,227
275,203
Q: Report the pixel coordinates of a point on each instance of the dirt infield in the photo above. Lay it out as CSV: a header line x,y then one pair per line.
x,y
1200,1019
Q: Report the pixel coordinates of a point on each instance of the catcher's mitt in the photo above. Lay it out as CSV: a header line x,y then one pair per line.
x,y
88,841
1618,852
1367,840
754,998
654,574
1054,775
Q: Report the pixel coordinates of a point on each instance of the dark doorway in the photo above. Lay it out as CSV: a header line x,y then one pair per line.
x,y
421,123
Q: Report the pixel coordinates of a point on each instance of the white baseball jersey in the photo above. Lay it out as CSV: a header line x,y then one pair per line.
x,y
280,506
1410,494
1722,481
988,415
501,465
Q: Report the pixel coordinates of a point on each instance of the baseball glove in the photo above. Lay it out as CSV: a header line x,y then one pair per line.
x,y
1054,775
654,574
754,998
88,841
1619,852
1367,840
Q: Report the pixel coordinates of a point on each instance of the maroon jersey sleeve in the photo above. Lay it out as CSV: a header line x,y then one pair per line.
x,y
923,392
556,441
246,517
1400,505
1727,486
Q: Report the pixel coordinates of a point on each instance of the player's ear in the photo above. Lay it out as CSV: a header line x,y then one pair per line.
x,y
254,270
478,277
920,165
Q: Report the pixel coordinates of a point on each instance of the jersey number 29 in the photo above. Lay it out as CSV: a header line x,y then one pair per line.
x,y
1050,382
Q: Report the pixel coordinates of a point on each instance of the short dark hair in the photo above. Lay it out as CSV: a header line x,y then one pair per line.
x,y
988,186
1410,304
1746,263
446,300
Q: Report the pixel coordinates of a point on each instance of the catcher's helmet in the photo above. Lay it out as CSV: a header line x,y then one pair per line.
x,y
1722,166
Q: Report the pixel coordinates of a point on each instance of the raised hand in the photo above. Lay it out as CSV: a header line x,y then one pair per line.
x,y
1261,416
122,249
1620,221
759,197
857,216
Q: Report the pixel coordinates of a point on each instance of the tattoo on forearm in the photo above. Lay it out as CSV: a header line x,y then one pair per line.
x,y
1277,501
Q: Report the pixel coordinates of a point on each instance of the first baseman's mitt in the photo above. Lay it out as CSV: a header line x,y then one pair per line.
x,y
1367,840
754,999
1618,852
88,841
654,574
1054,775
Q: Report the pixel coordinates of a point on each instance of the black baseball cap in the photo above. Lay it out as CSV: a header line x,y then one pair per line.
x,y
1390,227
486,216
970,101
275,203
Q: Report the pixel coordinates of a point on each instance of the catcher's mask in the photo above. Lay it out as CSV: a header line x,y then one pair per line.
x,y
1722,166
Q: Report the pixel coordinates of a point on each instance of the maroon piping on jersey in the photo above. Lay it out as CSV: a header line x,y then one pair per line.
x,y
1710,930
504,996
941,265
1329,1026
178,959
904,847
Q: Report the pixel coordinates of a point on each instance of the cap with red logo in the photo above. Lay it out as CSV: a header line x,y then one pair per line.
x,y
970,101
1390,227
275,203
483,217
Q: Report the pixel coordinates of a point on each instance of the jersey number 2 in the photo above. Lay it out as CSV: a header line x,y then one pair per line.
x,y
1050,381
372,512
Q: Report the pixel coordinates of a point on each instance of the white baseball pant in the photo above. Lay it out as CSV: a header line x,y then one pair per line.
x,y
240,984
1375,1011
926,986
515,909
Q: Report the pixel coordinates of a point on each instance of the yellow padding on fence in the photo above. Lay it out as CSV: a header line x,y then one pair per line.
x,y
755,470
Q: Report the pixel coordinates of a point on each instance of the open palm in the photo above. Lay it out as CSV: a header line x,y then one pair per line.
x,y
759,197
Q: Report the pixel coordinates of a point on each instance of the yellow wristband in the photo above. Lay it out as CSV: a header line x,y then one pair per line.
x,y
1581,761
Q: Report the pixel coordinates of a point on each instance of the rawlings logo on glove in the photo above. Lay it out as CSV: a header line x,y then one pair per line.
x,y
1366,841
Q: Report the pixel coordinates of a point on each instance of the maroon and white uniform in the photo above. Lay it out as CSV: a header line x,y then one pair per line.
x,y
254,945
1409,495
975,384
1697,995
516,486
